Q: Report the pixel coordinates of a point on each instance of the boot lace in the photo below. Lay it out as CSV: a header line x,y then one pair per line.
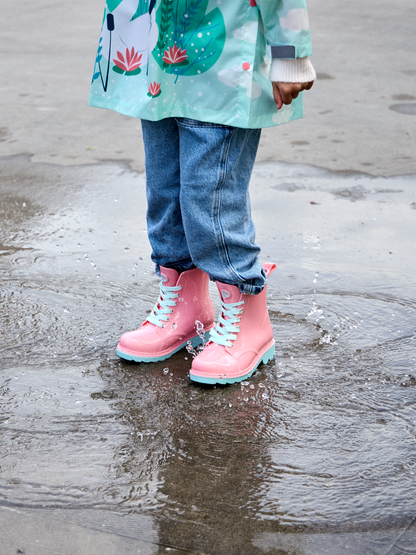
x,y
226,330
164,305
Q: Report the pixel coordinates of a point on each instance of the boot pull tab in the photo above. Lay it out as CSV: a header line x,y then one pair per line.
x,y
269,268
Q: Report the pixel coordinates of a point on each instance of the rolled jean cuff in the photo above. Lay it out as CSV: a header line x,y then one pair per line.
x,y
180,266
248,289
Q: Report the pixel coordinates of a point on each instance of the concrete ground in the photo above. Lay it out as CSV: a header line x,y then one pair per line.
x,y
359,117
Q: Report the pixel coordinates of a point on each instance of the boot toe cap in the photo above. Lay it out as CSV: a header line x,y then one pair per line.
x,y
215,362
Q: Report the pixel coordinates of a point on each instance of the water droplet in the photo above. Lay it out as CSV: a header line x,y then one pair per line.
x,y
126,249
251,386
245,383
265,395
166,371
191,350
174,325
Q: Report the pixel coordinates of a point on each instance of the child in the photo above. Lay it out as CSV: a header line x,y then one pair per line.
x,y
204,76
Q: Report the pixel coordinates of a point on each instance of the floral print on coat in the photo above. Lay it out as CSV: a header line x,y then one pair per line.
x,y
201,59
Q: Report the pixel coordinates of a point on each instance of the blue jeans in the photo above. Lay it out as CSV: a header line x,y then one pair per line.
x,y
199,213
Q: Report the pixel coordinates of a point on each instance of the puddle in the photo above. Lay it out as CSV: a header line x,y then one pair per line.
x,y
407,109
322,441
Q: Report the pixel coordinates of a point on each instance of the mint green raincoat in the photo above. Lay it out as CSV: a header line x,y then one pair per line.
x,y
202,59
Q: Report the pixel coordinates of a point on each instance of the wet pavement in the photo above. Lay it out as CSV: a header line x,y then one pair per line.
x,y
314,455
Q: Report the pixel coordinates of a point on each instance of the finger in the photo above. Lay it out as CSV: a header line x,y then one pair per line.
x,y
286,94
289,91
293,88
309,85
277,96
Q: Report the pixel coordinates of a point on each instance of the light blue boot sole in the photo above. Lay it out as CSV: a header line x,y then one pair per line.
x,y
195,341
267,357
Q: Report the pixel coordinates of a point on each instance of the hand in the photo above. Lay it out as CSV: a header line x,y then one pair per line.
x,y
284,93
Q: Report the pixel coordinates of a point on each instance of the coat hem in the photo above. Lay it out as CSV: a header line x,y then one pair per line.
x,y
286,114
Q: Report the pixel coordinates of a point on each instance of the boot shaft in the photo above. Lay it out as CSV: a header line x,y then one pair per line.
x,y
193,302
255,326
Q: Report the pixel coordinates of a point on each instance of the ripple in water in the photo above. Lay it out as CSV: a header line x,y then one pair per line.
x,y
325,432
322,438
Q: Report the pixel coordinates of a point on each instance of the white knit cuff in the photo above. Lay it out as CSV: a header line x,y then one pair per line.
x,y
292,71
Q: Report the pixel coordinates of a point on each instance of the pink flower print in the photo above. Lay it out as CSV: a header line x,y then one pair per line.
x,y
154,89
174,55
129,63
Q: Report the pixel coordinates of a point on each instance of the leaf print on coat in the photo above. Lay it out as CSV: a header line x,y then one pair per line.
x,y
113,4
145,6
190,39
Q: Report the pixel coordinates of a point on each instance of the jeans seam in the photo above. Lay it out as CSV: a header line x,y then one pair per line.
x,y
222,245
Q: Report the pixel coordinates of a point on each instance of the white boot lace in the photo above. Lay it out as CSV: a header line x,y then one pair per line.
x,y
164,305
226,331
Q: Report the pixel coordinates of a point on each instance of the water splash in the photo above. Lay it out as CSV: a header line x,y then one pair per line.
x,y
200,330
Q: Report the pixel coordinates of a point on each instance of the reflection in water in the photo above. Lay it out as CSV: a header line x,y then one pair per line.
x,y
320,440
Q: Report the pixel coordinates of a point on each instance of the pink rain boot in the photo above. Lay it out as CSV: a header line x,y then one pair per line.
x,y
183,300
242,339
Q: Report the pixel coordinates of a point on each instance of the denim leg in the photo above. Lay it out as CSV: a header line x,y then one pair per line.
x,y
216,163
164,218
